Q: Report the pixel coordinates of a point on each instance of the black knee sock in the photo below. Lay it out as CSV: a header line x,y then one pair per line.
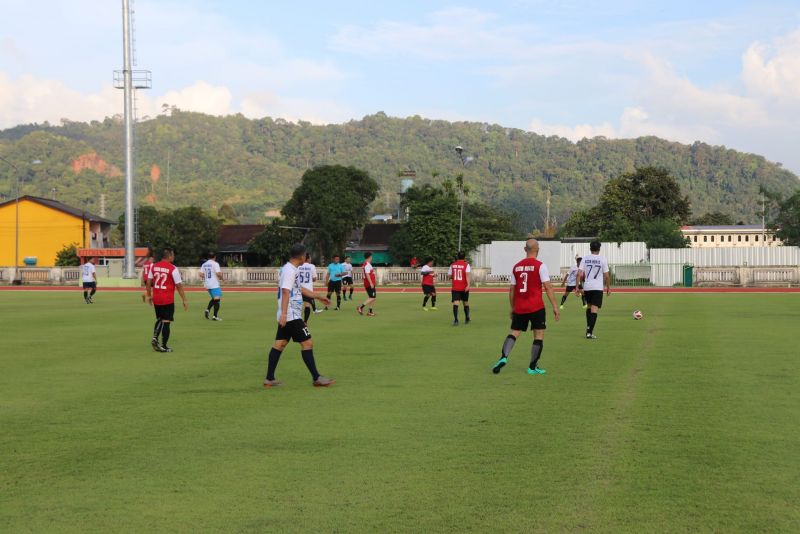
x,y
583,299
165,334
466,312
306,313
338,300
157,329
351,292
308,359
274,356
455,312
508,345
210,304
313,304
85,295
563,299
425,301
433,301
536,352
592,322
92,292
216,308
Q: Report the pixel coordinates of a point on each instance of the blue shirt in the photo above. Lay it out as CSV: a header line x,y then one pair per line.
x,y
335,271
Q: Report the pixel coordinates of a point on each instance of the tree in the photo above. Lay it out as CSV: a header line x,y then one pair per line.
x,y
716,218
68,256
333,201
787,222
273,244
228,214
662,233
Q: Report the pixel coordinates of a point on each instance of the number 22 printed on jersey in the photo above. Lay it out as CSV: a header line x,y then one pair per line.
x,y
160,280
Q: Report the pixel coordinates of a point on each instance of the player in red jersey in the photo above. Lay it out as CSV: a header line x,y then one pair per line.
x,y
428,287
163,280
370,285
459,275
148,263
525,294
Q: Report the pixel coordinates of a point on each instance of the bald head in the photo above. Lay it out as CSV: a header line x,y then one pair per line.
x,y
532,247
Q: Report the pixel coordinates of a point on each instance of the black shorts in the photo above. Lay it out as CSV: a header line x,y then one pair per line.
x,y
594,298
347,281
89,285
165,312
428,289
334,286
519,321
372,292
463,296
295,330
570,289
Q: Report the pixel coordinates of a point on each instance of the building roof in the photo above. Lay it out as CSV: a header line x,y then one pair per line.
x,y
725,227
60,206
237,237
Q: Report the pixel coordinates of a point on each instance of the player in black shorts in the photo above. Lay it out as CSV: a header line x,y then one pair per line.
x,y
347,278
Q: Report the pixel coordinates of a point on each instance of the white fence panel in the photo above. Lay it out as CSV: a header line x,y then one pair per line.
x,y
622,254
727,256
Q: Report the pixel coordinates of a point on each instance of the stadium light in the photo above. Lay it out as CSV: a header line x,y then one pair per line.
x,y
464,160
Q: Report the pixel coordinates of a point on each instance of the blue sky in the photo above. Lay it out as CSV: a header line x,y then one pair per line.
x,y
721,72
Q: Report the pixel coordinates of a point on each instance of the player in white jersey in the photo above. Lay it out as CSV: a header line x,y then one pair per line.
x,y
347,277
89,278
290,320
593,272
307,273
212,276
571,281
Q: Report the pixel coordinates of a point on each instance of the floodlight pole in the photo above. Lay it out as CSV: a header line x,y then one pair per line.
x,y
460,151
130,266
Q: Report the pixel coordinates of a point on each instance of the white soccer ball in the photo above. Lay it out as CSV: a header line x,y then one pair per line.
x,y
637,315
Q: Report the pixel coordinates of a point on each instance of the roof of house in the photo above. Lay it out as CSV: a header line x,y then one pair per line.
x,y
726,227
236,237
60,206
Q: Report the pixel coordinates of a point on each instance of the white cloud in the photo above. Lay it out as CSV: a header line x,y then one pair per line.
x,y
202,97
263,104
773,70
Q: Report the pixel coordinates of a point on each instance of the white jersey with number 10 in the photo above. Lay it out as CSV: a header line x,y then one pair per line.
x,y
593,267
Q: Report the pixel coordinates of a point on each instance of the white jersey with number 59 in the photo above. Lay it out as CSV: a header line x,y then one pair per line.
x,y
593,267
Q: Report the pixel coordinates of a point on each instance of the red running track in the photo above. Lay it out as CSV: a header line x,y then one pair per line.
x,y
238,289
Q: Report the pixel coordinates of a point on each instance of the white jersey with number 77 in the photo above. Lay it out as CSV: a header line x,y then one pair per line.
x,y
593,267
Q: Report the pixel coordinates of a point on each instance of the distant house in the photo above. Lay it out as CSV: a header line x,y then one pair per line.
x,y
233,244
45,227
740,235
373,238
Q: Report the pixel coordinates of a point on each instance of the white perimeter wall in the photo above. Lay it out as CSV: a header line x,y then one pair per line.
x,y
505,254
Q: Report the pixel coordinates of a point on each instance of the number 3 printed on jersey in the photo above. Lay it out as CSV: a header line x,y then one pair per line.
x,y
524,278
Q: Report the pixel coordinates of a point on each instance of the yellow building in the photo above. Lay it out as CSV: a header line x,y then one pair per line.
x,y
45,226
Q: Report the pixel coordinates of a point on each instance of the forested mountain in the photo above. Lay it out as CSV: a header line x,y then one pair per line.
x,y
253,165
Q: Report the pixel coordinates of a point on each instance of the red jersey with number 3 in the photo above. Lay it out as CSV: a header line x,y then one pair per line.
x,y
527,278
458,275
164,276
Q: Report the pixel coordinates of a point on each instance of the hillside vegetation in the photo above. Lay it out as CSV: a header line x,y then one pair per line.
x,y
253,165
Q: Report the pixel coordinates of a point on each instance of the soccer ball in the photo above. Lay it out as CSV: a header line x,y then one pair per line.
x,y
637,315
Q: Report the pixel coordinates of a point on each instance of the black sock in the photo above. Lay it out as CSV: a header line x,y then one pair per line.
x,y
157,329
466,312
338,300
351,293
314,304
433,301
583,299
425,301
306,313
308,359
370,310
216,308
165,334
274,356
91,294
455,312
592,322
508,345
563,299
210,304
85,295
536,352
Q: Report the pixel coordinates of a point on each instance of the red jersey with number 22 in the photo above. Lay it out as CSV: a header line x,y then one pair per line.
x,y
458,274
527,279
164,276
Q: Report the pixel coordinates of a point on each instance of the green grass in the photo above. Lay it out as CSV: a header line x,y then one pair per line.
x,y
686,421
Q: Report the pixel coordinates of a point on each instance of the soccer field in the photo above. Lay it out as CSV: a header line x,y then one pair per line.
x,y
686,421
